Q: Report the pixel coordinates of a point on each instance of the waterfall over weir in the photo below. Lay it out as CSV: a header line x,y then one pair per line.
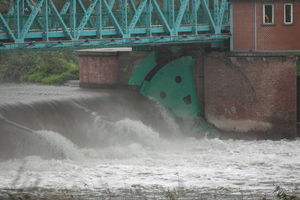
x,y
60,141
55,128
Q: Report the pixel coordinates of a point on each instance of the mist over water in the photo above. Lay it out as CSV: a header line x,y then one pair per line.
x,y
99,143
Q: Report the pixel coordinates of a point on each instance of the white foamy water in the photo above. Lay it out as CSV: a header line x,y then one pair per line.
x,y
60,144
206,164
125,157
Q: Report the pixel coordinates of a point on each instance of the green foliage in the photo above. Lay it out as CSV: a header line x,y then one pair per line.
x,y
55,72
40,67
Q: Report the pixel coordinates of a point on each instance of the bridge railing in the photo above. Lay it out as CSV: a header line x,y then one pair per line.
x,y
41,24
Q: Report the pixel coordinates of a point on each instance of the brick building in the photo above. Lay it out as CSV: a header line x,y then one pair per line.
x,y
265,25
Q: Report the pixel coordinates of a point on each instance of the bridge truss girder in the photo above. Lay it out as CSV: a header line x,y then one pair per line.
x,y
107,23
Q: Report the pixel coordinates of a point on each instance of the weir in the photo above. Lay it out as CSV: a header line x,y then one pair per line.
x,y
86,119
70,142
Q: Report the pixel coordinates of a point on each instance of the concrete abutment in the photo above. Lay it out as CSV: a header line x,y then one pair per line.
x,y
249,97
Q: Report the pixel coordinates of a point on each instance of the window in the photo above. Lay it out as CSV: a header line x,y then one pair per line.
x,y
268,14
288,13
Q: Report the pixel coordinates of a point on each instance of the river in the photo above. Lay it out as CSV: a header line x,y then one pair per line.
x,y
71,143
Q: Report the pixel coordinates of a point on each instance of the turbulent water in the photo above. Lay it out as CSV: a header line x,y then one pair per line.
x,y
62,142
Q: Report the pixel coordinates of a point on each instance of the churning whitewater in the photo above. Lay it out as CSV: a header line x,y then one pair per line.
x,y
95,144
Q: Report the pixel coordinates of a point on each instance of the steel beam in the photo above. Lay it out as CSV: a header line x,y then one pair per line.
x,y
73,20
17,18
7,29
137,14
99,20
171,13
113,18
161,16
86,18
46,20
149,9
114,43
181,12
124,17
31,19
61,21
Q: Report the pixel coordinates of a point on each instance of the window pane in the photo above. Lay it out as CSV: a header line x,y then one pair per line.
x,y
268,14
288,13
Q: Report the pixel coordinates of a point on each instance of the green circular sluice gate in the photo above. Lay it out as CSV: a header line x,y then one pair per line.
x,y
172,85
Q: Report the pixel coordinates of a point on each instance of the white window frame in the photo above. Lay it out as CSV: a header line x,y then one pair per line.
x,y
292,13
264,14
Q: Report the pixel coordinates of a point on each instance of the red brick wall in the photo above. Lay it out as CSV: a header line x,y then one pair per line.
x,y
278,36
268,37
254,97
243,25
99,69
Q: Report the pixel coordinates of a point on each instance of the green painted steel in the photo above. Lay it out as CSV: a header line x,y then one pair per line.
x,y
142,69
42,24
174,87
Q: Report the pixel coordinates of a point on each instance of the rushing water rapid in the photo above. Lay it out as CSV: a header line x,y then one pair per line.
x,y
65,142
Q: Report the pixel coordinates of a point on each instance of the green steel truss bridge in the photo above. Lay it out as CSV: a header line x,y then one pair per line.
x,y
50,24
